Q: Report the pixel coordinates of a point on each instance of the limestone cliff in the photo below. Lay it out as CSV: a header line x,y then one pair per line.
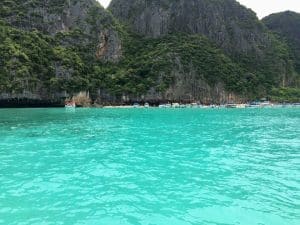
x,y
211,51
236,30
233,27
48,47
64,16
287,26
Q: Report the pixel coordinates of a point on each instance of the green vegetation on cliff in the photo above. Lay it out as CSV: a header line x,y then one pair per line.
x,y
49,56
288,95
24,60
31,61
151,64
287,26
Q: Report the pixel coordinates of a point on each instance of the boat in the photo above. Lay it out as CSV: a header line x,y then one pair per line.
x,y
241,106
175,105
70,104
266,104
146,105
260,104
231,106
165,105
254,105
195,105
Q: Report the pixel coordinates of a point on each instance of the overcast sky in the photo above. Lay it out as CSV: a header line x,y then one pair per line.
x,y
261,7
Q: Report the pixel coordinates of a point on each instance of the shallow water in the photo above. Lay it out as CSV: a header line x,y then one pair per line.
x,y
150,166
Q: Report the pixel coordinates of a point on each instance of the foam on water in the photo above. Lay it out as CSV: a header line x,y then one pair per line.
x,y
150,166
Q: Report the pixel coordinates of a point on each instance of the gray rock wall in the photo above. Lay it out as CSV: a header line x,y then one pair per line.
x,y
52,17
231,26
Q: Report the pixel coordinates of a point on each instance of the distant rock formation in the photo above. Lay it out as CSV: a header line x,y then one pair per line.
x,y
144,50
230,25
63,16
287,26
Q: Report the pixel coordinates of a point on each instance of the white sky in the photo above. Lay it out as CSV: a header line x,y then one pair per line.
x,y
105,3
261,7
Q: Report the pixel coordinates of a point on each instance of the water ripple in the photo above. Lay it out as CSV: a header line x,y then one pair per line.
x,y
136,166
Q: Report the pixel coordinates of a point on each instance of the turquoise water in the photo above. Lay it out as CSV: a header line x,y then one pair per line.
x,y
150,166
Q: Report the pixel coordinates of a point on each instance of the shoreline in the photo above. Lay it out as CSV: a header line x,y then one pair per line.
x,y
38,103
230,106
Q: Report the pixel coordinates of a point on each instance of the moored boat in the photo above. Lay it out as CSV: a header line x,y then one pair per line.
x,y
254,105
136,105
165,105
231,106
195,105
70,104
266,104
175,105
241,106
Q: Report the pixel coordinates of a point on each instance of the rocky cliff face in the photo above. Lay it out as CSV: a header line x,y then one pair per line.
x,y
231,26
287,26
48,47
49,16
212,51
64,16
227,24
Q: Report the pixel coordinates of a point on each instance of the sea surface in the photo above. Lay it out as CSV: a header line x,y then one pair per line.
x,y
150,166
